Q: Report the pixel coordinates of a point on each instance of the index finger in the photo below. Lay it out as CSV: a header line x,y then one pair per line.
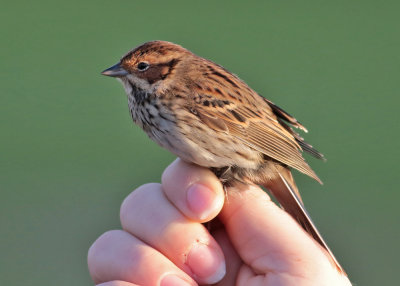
x,y
194,190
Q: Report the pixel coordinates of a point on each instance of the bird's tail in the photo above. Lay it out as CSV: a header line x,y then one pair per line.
x,y
284,189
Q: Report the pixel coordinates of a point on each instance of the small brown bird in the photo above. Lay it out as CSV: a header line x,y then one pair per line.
x,y
206,115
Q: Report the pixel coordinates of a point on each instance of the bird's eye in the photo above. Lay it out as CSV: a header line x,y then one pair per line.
x,y
142,66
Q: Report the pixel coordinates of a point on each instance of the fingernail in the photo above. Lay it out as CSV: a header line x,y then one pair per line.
x,y
201,200
173,280
206,263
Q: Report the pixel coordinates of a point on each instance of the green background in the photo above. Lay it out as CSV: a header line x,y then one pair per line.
x,y
69,152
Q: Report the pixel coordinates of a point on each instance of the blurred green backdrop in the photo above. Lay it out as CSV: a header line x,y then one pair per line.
x,y
70,153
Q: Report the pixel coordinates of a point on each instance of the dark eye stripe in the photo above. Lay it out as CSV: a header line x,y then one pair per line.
x,y
160,71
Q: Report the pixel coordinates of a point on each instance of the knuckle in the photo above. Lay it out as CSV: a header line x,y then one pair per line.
x,y
169,171
102,241
135,198
97,251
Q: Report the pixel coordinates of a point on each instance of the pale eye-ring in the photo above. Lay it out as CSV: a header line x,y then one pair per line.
x,y
142,66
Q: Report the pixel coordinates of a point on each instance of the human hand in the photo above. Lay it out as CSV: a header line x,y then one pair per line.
x,y
251,241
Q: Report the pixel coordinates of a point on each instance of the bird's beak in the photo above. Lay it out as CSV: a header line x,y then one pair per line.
x,y
115,71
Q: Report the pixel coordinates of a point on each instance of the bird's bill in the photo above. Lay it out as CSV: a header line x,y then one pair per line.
x,y
115,71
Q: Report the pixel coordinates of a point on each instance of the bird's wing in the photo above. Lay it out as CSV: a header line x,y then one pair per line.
x,y
254,122
284,117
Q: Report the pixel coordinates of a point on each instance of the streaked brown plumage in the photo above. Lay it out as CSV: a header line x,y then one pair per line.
x,y
208,116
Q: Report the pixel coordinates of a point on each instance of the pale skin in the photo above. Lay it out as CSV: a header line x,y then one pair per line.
x,y
166,238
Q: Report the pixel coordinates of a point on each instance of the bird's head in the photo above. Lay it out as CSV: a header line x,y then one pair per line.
x,y
150,66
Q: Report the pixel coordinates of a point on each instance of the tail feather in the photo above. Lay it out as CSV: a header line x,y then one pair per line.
x,y
284,189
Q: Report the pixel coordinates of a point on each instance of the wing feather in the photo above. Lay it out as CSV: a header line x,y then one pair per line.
x,y
264,133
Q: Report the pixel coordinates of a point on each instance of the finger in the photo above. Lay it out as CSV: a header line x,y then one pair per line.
x,y
265,236
232,258
194,190
117,255
147,214
117,283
